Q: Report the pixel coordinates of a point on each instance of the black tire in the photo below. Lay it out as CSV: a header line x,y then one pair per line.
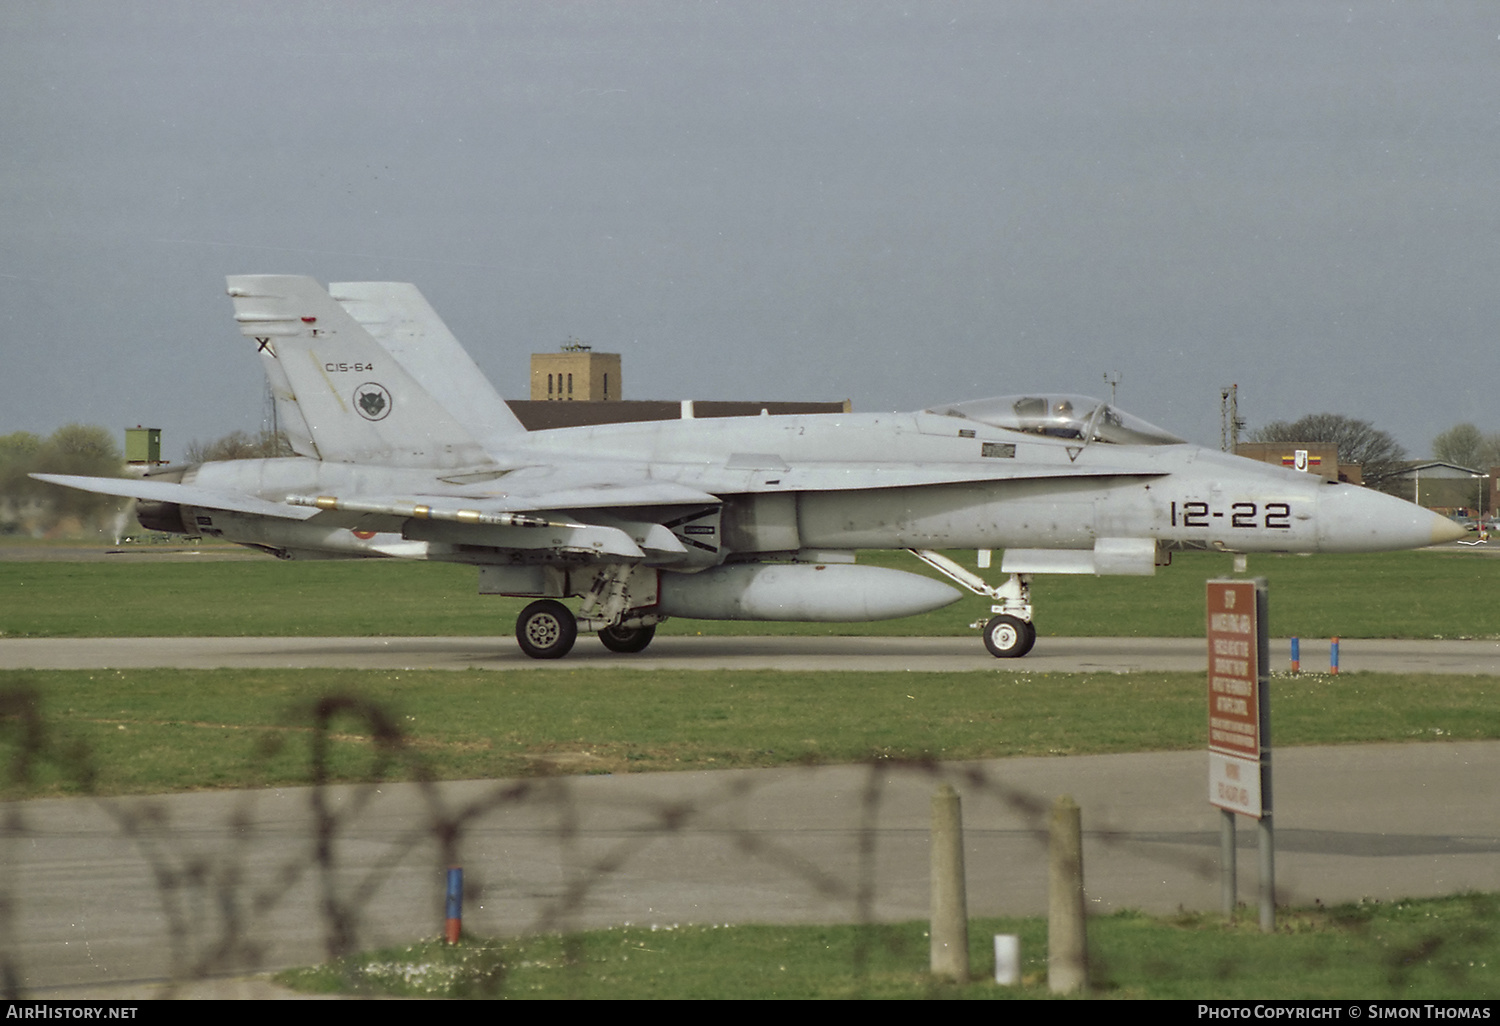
x,y
627,639
546,630
1009,637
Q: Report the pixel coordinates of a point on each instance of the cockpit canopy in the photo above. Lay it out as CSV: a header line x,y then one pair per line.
x,y
1060,416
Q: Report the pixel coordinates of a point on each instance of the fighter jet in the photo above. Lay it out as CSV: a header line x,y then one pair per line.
x,y
405,451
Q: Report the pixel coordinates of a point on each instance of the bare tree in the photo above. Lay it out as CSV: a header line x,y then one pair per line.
x,y
1358,441
1465,445
239,445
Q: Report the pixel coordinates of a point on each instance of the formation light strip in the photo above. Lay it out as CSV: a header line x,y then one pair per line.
x,y
420,511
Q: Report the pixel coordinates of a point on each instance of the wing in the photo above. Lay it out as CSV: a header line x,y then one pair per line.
x,y
605,511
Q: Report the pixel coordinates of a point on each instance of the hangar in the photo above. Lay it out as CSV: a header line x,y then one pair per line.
x,y
577,386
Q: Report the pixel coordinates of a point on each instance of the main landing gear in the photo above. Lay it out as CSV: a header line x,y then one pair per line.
x,y
620,638
1009,634
547,629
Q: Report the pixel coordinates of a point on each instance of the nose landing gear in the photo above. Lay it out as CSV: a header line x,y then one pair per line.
x,y
1008,637
1009,634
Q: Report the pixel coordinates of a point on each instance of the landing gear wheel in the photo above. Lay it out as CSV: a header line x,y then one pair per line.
x,y
627,639
1009,637
546,630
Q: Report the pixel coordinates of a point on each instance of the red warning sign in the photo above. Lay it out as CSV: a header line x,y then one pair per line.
x,y
1235,767
1233,670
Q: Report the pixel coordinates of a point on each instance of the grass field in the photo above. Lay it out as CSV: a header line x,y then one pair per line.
x,y
1438,948
148,731
1425,594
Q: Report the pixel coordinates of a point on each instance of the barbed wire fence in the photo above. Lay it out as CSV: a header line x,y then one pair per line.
x,y
222,883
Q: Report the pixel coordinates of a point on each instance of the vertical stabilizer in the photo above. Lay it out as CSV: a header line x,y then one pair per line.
x,y
357,401
290,423
399,317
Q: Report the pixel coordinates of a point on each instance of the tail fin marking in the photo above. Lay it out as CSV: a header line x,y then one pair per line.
x,y
358,403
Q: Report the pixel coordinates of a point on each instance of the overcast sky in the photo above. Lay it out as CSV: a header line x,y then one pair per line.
x,y
899,204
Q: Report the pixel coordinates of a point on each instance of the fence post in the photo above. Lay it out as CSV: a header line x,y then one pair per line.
x,y
949,928
1067,939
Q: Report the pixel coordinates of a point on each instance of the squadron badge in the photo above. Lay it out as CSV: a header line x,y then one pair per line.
x,y
372,401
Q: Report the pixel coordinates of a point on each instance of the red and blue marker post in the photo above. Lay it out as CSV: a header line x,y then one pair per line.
x,y
1333,656
453,927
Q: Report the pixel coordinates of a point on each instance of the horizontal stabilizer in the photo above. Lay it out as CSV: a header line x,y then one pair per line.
x,y
183,495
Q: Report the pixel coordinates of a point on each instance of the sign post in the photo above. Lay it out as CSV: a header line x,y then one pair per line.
x,y
1239,728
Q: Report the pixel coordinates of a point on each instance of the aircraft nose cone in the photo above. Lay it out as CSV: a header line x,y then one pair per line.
x,y
1356,519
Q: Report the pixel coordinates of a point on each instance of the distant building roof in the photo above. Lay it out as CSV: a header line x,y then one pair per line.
x,y
1437,468
539,415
